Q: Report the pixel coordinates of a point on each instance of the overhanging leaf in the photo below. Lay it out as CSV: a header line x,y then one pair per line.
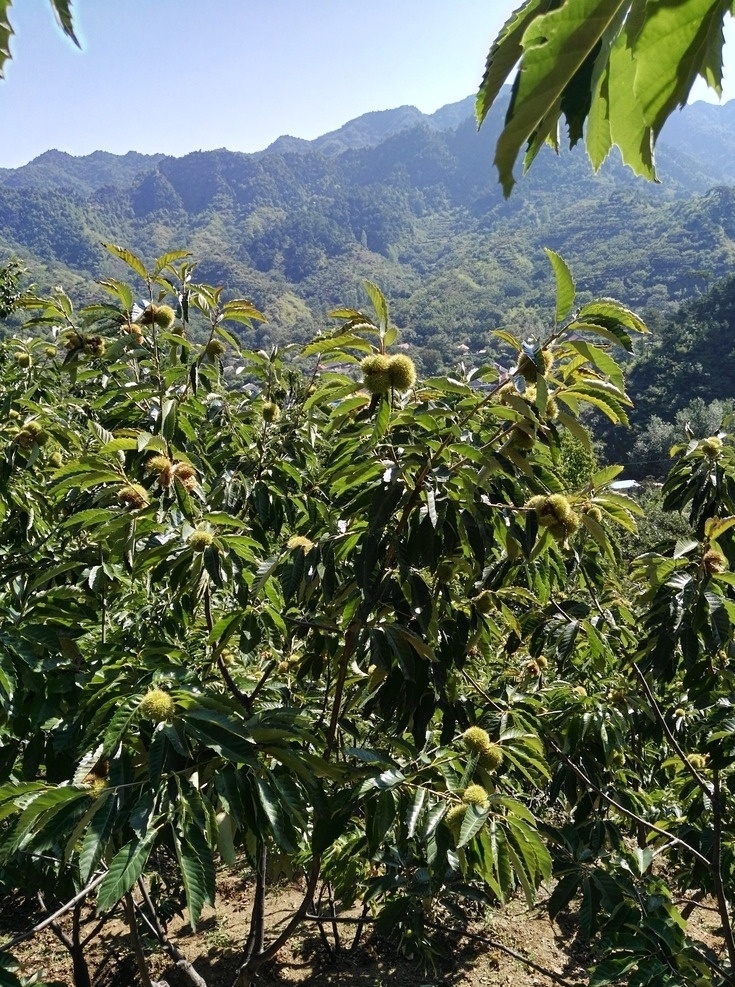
x,y
6,32
62,12
555,46
675,43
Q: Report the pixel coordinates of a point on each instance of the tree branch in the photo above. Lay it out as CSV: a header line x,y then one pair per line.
x,y
56,915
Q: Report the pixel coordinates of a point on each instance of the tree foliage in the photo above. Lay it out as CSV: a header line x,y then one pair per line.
x,y
62,13
258,606
613,69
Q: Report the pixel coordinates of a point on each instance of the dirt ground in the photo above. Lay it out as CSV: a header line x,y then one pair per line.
x,y
309,959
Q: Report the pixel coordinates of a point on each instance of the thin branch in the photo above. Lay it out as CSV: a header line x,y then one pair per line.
x,y
628,812
716,866
171,948
704,785
56,915
242,699
137,944
247,970
261,683
351,638
56,928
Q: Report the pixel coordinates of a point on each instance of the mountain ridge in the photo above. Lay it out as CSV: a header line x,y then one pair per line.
x,y
686,130
419,211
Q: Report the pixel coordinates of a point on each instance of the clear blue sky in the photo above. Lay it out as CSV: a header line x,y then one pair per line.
x,y
181,75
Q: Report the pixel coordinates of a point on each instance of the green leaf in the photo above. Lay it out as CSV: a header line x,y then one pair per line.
x,y
86,764
382,419
565,289
609,313
505,54
616,105
42,809
125,868
122,718
345,313
264,571
715,527
379,303
601,360
336,344
241,310
384,781
196,864
563,893
167,259
474,820
62,12
605,476
612,971
223,734
555,44
414,810
129,258
680,41
94,843
282,830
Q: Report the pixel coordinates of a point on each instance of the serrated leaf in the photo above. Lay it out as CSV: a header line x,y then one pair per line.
x,y
264,571
600,360
129,258
62,12
565,289
384,781
431,505
382,419
556,44
379,303
563,893
604,311
414,811
345,313
125,868
282,830
335,344
474,820
101,433
504,55
671,49
123,291
41,809
119,723
195,861
6,32
94,843
368,756
86,764
612,971
165,260
605,476
714,527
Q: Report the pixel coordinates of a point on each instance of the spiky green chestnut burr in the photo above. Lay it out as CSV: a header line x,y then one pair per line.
x,y
401,372
156,705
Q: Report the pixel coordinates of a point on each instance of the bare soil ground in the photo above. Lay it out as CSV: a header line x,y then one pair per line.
x,y
483,957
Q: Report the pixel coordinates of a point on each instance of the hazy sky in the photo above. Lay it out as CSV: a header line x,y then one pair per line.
x,y
182,75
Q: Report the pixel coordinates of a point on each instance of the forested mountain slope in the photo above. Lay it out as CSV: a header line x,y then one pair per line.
x,y
408,200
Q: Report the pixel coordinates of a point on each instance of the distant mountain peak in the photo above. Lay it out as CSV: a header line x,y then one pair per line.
x,y
372,128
